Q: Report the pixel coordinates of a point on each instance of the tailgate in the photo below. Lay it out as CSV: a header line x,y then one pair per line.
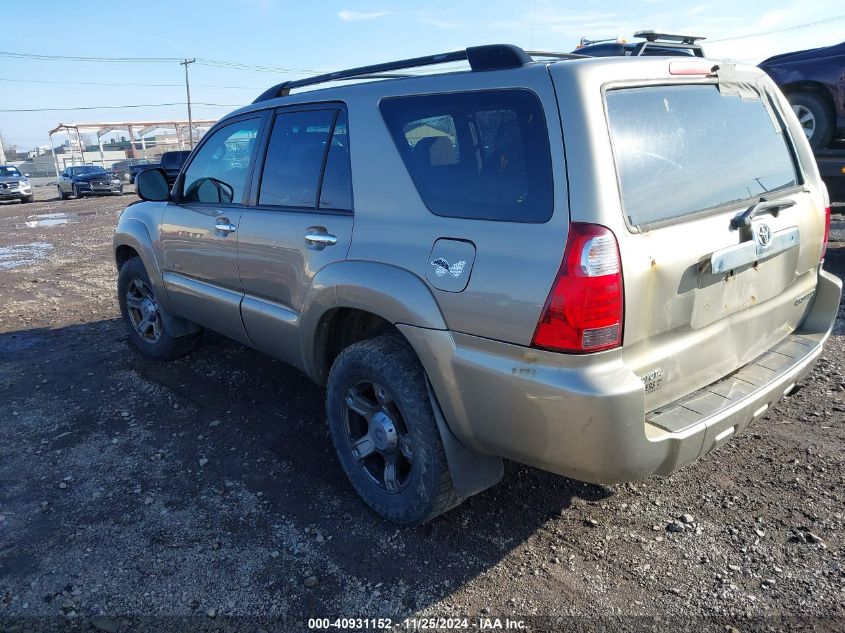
x,y
721,263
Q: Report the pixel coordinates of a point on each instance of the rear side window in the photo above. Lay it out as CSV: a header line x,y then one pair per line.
x,y
683,149
478,155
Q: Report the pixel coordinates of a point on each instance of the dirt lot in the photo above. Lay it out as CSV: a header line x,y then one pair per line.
x,y
206,490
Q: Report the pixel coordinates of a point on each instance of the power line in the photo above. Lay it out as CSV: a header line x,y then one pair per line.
x,y
121,107
215,63
782,30
107,83
78,58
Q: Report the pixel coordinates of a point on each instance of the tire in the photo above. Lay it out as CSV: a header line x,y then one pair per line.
x,y
156,343
76,193
27,199
813,110
421,483
62,194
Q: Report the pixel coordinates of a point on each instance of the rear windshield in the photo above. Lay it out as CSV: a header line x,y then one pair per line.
x,y
682,149
481,155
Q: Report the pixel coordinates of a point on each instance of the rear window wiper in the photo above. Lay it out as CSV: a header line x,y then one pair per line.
x,y
773,207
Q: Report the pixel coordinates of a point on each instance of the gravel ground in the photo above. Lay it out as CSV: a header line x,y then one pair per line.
x,y
205,491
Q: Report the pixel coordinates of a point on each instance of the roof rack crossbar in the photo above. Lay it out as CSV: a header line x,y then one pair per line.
x,y
655,36
490,57
639,49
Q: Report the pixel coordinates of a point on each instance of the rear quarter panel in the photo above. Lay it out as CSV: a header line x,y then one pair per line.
x,y
515,263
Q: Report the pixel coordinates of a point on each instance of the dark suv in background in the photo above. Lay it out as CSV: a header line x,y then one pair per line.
x,y
814,82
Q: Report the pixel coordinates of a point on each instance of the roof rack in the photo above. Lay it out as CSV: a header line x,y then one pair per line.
x,y
489,57
654,36
654,39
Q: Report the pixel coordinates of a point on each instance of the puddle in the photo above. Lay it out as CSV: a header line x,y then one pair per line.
x,y
50,219
23,254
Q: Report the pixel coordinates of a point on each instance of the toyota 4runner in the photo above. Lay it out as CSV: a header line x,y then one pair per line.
x,y
605,268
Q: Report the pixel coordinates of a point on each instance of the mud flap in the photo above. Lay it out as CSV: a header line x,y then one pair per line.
x,y
176,326
471,471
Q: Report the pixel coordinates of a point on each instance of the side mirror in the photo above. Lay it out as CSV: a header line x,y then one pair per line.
x,y
151,185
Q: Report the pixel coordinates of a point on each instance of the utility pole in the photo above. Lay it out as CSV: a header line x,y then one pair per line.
x,y
2,151
185,63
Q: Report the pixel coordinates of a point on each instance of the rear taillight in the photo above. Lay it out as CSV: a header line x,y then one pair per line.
x,y
585,306
826,232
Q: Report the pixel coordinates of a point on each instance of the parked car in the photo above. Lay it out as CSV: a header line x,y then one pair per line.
x,y
122,169
87,180
171,163
814,82
14,185
610,314
653,43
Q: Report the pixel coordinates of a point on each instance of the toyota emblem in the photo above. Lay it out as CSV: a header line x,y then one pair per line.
x,y
764,235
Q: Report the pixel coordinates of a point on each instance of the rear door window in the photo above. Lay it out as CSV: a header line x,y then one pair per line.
x,y
684,149
479,155
295,157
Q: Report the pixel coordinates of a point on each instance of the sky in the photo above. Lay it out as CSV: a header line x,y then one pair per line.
x,y
309,37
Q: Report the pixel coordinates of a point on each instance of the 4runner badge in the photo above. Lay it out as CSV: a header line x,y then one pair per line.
x,y
441,267
653,380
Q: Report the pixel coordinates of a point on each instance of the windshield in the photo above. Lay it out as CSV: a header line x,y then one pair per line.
x,y
9,172
86,169
682,149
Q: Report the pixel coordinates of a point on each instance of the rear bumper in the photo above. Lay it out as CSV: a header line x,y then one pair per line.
x,y
585,417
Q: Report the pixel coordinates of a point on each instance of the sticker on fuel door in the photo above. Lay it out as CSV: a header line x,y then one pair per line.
x,y
450,264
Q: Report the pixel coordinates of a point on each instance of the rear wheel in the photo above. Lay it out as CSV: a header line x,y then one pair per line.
x,y
815,116
143,315
383,429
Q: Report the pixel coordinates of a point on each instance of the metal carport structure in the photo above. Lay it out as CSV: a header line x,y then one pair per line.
x,y
101,129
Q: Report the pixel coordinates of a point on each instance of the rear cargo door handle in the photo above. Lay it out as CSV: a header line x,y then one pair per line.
x,y
320,238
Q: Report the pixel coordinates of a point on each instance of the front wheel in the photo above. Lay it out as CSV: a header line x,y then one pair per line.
x,y
62,194
76,193
27,199
383,429
143,315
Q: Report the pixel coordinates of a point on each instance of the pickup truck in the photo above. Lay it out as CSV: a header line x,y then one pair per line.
x,y
171,163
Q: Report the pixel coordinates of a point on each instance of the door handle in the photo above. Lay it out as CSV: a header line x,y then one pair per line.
x,y
320,239
224,226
